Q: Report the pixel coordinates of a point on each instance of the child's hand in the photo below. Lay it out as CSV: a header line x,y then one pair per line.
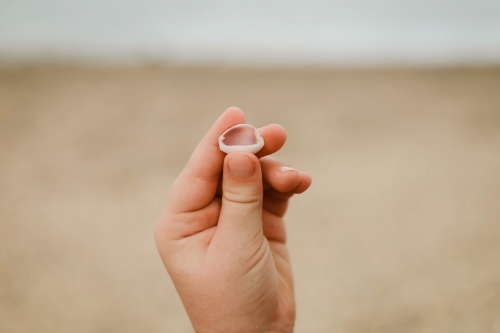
x,y
224,245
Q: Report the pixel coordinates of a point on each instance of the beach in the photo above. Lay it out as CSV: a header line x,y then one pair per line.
x,y
399,232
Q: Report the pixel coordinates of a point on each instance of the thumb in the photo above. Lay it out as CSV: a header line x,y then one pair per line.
x,y
241,211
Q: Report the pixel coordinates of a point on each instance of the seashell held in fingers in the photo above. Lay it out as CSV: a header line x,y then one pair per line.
x,y
242,137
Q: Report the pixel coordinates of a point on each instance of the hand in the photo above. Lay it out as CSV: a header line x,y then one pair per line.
x,y
222,235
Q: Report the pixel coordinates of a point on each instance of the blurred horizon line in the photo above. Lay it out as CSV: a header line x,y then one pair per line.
x,y
245,62
9,64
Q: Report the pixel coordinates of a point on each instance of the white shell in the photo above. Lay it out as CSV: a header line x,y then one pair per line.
x,y
242,141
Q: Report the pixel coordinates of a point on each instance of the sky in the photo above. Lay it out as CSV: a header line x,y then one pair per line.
x,y
260,33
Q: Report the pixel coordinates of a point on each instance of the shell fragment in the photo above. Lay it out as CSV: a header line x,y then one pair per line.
x,y
241,137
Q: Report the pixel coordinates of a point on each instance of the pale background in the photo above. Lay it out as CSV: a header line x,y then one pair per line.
x,y
263,32
101,103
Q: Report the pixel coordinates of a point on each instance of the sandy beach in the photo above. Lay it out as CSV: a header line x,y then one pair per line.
x,y
400,231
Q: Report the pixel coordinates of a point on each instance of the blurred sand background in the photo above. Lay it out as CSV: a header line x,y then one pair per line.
x,y
400,231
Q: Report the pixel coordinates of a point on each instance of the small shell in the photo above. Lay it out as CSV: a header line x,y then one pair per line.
x,y
242,137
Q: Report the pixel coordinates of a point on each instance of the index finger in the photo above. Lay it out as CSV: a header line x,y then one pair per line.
x,y
194,188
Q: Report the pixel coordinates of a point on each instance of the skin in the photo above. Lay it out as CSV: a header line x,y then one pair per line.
x,y
222,235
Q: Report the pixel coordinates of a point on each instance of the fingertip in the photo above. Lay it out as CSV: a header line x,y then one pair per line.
x,y
304,184
278,175
278,129
288,179
234,111
251,156
274,137
241,165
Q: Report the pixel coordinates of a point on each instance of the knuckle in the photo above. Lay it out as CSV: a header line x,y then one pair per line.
x,y
242,195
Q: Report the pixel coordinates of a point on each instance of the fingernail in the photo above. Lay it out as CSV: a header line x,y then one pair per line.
x,y
241,166
285,168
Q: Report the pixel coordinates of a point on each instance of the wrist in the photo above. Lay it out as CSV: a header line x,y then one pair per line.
x,y
274,328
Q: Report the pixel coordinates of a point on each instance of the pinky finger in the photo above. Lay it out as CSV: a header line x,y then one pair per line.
x,y
305,182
